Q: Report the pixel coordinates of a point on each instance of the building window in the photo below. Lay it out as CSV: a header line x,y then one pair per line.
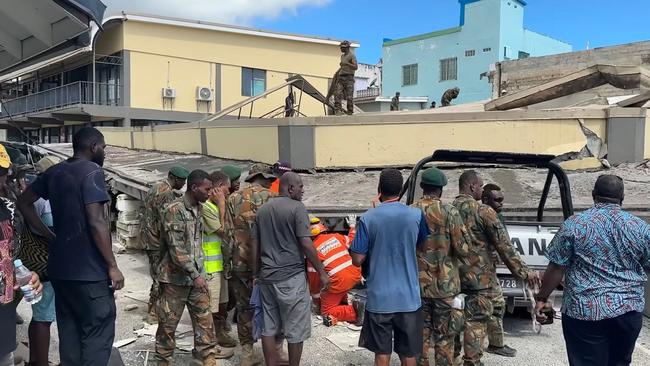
x,y
523,54
470,53
253,81
409,75
449,69
487,49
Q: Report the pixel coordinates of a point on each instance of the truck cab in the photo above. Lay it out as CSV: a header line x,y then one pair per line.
x,y
530,234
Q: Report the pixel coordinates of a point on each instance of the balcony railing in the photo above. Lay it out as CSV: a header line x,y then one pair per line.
x,y
80,92
368,93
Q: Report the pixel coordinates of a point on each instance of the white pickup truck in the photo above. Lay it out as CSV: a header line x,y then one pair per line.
x,y
529,236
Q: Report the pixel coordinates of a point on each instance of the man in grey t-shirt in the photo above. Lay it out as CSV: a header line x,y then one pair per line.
x,y
281,239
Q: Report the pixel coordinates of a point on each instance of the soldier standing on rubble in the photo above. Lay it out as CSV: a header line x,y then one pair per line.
x,y
182,276
394,102
345,80
438,264
448,96
479,280
241,210
160,195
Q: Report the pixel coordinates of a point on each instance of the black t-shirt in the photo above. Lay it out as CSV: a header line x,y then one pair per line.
x,y
279,225
70,186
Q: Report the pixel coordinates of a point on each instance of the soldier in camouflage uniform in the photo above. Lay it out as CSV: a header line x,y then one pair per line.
x,y
159,196
448,96
479,279
181,274
241,210
493,197
345,80
438,264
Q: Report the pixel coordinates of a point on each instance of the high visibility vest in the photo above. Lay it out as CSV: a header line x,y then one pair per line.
x,y
275,186
332,250
212,256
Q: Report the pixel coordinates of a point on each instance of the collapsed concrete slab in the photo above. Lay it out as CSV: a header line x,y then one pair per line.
x,y
622,77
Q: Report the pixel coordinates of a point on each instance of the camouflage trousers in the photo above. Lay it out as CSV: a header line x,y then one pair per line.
x,y
154,293
478,309
344,90
172,302
443,323
239,284
495,322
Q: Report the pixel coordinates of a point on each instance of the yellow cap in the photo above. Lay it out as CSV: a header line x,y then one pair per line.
x,y
5,161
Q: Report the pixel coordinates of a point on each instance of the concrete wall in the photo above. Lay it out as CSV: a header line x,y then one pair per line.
x,y
522,74
244,143
382,144
390,139
185,58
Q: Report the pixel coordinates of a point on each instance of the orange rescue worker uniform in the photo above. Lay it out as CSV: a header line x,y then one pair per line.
x,y
333,252
275,186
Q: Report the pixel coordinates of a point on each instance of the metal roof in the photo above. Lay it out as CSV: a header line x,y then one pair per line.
x,y
200,24
29,28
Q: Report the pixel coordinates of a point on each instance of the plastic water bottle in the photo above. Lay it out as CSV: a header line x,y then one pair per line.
x,y
23,276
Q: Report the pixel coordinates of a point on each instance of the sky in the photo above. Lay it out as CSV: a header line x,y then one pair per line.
x,y
583,24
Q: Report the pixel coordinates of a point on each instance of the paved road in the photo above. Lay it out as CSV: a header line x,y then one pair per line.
x,y
546,348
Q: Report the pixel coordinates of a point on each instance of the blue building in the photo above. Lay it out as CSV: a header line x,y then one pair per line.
x,y
489,31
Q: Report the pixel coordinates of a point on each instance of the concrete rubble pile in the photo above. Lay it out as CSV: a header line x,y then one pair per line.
x,y
128,221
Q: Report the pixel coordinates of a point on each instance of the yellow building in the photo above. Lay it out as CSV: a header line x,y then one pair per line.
x,y
142,70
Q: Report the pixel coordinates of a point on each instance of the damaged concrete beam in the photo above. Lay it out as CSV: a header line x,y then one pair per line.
x,y
623,77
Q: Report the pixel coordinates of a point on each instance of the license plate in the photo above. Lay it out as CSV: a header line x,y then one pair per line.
x,y
507,283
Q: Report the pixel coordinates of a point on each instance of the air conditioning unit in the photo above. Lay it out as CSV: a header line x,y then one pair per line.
x,y
169,93
203,93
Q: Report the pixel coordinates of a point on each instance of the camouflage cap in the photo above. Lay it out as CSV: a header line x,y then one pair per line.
x,y
260,168
232,172
179,172
434,177
345,44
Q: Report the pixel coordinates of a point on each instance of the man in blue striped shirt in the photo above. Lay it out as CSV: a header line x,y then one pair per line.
x,y
603,254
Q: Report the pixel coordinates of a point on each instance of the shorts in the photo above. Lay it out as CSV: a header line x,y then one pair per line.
x,y
218,287
44,310
382,332
286,307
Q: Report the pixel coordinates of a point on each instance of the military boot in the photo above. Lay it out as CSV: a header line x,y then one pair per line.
x,y
222,353
504,351
210,361
220,328
248,356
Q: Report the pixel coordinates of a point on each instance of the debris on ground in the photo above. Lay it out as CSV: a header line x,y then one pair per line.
x,y
130,307
124,342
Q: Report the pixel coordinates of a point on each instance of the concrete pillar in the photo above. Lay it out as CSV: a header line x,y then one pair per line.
x,y
296,146
204,142
625,139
